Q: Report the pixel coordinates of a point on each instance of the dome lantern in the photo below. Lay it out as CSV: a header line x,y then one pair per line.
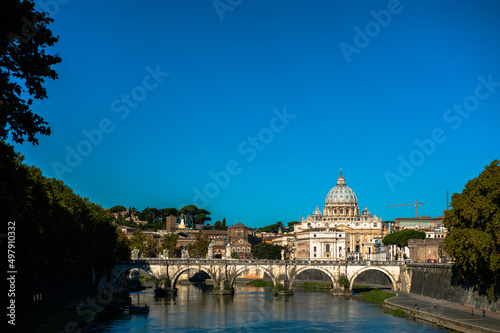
x,y
341,193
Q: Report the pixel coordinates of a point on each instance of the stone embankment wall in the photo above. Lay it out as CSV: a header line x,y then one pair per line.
x,y
438,281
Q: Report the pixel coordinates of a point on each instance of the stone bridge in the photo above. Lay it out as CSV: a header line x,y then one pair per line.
x,y
224,272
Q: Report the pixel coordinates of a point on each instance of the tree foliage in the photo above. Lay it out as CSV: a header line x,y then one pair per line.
x,y
473,224
123,249
274,228
59,232
400,238
170,243
24,67
146,244
200,248
196,215
291,224
267,251
117,209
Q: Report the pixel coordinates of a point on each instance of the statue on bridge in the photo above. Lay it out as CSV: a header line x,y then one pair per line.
x,y
228,251
184,254
210,253
135,254
165,253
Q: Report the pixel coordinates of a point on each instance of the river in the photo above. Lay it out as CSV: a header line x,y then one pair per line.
x,y
255,309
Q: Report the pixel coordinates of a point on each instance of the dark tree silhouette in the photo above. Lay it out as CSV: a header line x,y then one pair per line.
x,y
24,67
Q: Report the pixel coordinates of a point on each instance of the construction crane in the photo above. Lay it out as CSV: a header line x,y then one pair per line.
x,y
416,205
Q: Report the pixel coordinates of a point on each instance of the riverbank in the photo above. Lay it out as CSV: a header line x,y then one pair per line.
x,y
444,314
52,316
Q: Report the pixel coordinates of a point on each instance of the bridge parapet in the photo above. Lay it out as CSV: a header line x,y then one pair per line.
x,y
203,261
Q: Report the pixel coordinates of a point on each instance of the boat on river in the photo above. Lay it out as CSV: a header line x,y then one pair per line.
x,y
138,309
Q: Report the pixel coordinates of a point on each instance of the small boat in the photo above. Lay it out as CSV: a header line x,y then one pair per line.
x,y
138,309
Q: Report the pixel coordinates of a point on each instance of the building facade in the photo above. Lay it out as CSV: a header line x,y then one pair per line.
x,y
239,240
421,223
341,213
429,249
320,243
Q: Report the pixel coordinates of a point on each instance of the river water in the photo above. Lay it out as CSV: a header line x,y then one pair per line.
x,y
255,309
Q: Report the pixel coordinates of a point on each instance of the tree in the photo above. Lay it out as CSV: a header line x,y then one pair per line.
x,y
291,225
138,241
473,224
274,228
170,211
200,248
117,209
170,243
24,67
63,234
202,217
267,251
344,281
151,246
401,238
192,211
224,224
123,250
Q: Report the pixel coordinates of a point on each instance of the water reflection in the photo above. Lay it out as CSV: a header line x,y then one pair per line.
x,y
255,309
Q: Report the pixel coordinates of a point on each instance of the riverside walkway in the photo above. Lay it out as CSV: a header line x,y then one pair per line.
x,y
448,314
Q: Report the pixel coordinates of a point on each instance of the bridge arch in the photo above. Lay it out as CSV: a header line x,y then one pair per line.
x,y
180,271
242,269
321,269
119,271
380,269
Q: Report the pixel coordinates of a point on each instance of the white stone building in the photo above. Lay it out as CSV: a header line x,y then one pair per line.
x,y
320,243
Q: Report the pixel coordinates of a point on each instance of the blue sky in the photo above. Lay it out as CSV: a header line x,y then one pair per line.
x,y
251,108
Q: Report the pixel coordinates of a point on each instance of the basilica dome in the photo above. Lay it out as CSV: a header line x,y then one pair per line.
x,y
341,193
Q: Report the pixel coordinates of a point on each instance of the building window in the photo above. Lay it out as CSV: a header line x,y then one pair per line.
x,y
241,241
314,235
315,250
315,255
248,249
242,249
327,247
239,249
374,225
234,249
239,233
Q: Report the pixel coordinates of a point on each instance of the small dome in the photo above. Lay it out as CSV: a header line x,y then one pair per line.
x,y
366,212
317,212
341,193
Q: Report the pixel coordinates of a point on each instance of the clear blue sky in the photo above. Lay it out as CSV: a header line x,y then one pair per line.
x,y
279,95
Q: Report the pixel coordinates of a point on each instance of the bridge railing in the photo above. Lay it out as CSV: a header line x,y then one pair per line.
x,y
204,261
